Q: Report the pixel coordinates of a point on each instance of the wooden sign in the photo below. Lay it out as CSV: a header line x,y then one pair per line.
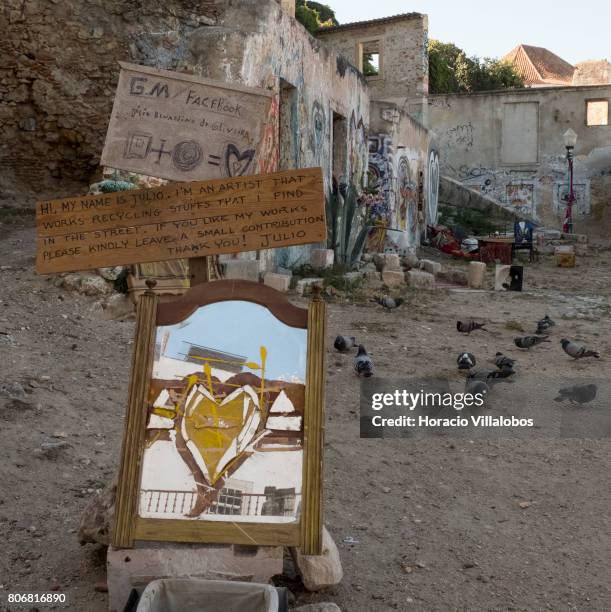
x,y
181,221
183,127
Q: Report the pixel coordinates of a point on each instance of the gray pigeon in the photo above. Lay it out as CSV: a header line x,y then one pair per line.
x,y
491,377
344,343
544,325
577,394
466,361
389,303
475,386
526,342
502,361
576,351
363,364
466,327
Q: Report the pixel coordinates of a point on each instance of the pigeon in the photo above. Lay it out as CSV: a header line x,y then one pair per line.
x,y
466,361
577,394
526,342
363,364
389,303
576,351
344,343
466,327
502,361
475,386
544,325
491,377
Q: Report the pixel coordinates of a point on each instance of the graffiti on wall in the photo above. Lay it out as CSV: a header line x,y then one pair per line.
x,y
460,137
432,188
581,206
318,124
520,196
358,147
269,151
393,178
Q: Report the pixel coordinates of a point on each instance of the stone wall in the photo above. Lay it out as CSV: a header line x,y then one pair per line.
x,y
509,145
57,79
403,41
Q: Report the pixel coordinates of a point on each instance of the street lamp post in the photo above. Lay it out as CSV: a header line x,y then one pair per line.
x,y
570,140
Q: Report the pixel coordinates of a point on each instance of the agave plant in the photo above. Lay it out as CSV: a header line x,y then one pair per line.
x,y
346,232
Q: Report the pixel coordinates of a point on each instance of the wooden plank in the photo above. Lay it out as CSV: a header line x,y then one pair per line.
x,y
181,221
176,530
184,127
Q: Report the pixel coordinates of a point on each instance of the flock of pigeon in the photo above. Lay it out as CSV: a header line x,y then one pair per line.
x,y
481,381
478,381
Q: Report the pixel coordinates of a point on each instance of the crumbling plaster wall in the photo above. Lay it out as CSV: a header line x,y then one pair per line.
x,y
404,75
400,151
58,76
469,129
259,44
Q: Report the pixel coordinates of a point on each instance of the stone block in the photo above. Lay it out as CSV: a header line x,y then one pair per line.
x,y
119,307
353,277
417,279
411,261
279,282
430,266
320,571
477,274
304,286
458,277
565,256
501,277
136,567
387,261
321,259
393,277
245,269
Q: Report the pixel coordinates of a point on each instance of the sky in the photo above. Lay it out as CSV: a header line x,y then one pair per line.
x,y
576,31
241,328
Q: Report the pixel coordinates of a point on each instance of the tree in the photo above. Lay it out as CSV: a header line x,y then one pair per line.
x,y
313,15
451,71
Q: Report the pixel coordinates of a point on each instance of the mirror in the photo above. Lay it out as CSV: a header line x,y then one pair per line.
x,y
224,432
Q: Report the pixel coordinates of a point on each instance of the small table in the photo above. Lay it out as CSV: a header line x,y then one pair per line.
x,y
496,248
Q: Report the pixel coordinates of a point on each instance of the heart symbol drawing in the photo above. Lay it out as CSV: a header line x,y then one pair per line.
x,y
236,163
218,432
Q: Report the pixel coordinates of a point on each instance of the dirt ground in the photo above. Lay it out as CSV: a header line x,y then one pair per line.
x,y
430,525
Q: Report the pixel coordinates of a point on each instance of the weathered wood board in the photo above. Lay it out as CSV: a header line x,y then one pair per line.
x,y
181,220
183,127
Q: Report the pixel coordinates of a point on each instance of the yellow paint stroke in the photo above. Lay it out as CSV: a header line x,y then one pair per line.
x,y
263,354
213,435
168,413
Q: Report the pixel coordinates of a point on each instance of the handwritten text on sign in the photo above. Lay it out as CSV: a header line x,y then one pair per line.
x,y
181,220
183,127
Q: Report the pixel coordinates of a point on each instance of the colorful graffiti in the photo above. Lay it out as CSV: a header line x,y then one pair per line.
x,y
269,151
520,196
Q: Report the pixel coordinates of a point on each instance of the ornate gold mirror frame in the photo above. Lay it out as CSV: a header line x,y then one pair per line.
x,y
306,530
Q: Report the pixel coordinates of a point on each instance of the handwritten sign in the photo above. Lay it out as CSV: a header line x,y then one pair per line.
x,y
183,127
181,220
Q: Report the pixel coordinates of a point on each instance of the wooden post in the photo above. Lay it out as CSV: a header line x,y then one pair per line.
x,y
314,424
128,489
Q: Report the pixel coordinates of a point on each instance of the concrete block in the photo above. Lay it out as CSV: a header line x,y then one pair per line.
x,y
477,274
245,269
418,279
501,277
321,259
320,571
387,261
393,277
136,567
279,282
430,266
304,286
565,256
411,261
353,277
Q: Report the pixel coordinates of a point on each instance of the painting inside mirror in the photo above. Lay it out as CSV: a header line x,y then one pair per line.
x,y
225,418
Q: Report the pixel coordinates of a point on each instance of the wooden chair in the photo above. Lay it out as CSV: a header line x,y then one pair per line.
x,y
523,238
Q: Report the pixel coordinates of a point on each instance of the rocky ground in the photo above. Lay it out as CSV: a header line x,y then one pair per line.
x,y
430,524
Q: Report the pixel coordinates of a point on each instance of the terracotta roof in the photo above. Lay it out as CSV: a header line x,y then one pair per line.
x,y
360,24
539,66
